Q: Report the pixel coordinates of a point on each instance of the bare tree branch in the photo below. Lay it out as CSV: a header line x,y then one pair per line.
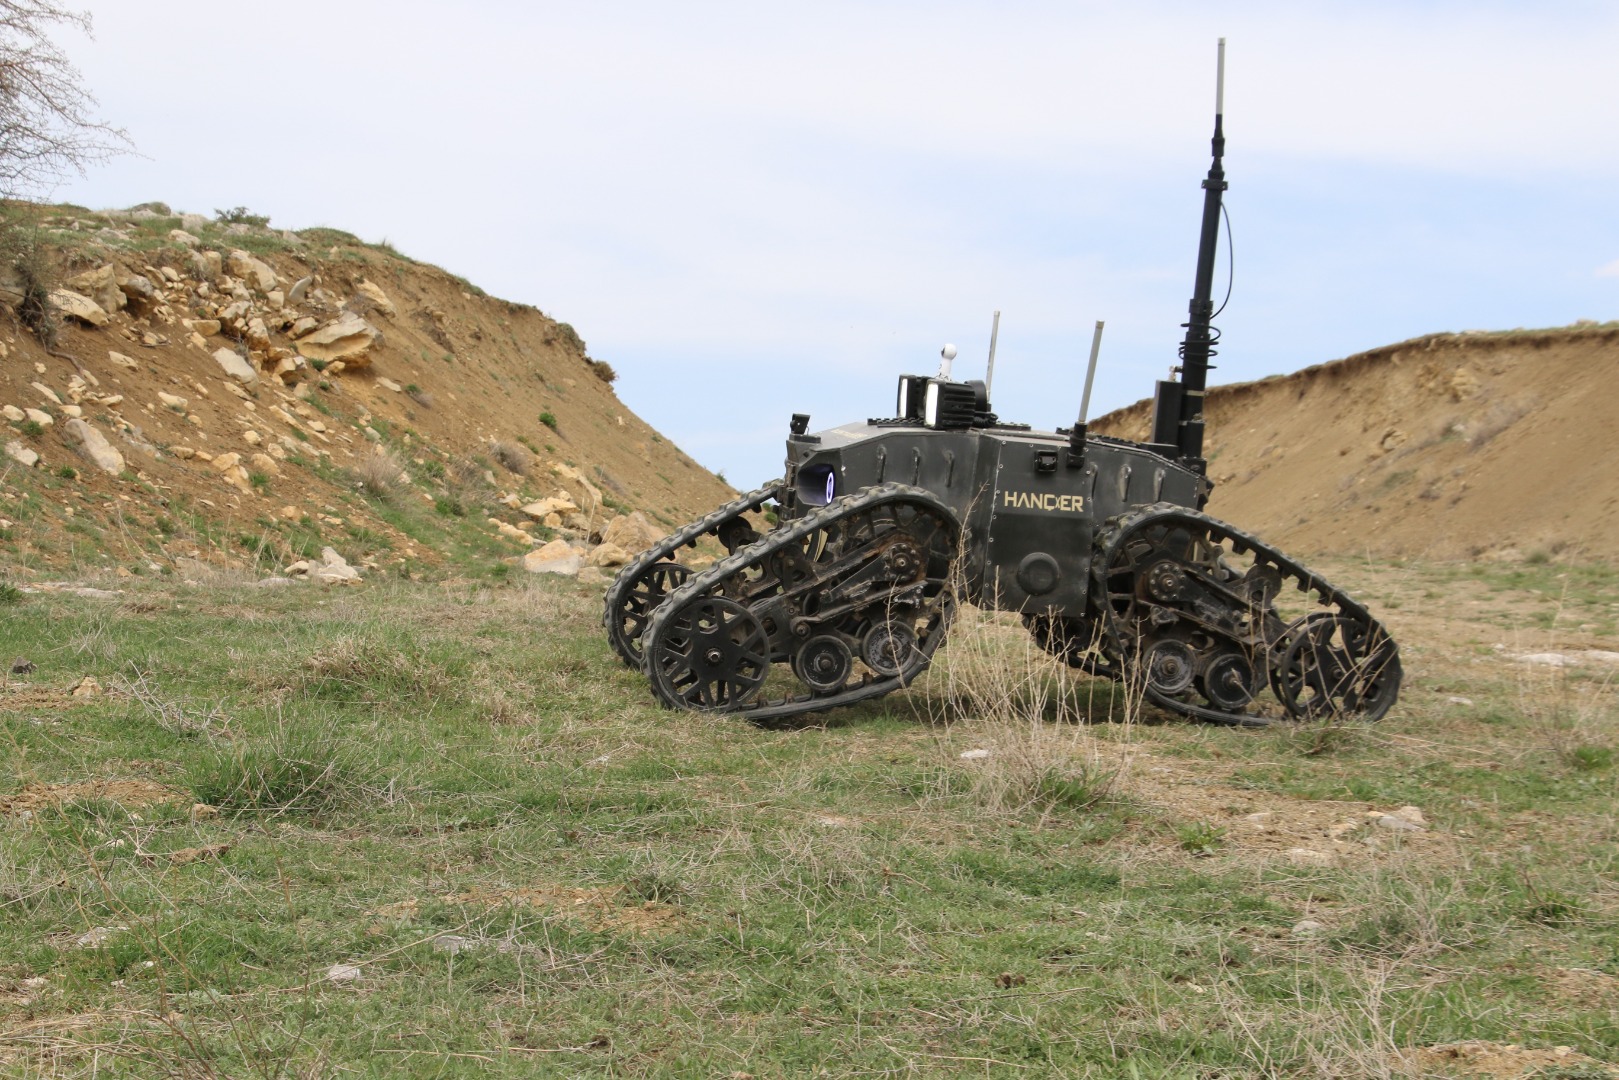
x,y
47,126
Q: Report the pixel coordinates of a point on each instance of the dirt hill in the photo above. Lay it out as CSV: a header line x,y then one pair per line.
x,y
234,394
1447,446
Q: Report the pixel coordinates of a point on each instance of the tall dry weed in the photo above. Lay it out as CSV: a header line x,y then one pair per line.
x,y
1026,718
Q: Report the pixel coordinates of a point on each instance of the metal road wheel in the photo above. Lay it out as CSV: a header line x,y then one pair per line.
x,y
713,654
823,664
636,604
1328,665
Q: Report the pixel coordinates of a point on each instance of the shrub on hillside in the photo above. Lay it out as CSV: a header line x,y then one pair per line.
x,y
512,458
241,215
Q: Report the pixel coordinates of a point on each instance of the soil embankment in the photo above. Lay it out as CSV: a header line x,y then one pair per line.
x,y
1446,446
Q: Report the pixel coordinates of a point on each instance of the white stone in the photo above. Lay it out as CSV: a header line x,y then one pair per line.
x,y
1308,857
236,366
342,973
295,295
95,446
389,384
173,401
139,290
183,238
1308,928
12,413
973,755
21,454
40,417
47,393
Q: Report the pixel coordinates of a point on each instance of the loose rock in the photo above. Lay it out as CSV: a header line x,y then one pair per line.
x,y
236,366
348,338
377,297
254,271
557,557
21,454
609,554
632,532
77,306
94,445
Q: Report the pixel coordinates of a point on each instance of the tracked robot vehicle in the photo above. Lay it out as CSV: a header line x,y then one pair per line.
x,y
883,527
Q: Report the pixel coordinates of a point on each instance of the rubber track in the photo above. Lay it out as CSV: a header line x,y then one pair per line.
x,y
672,543
776,540
1117,530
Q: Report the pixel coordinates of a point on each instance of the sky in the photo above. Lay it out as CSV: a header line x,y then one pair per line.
x,y
751,210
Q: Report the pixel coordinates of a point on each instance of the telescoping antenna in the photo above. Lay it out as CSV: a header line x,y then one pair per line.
x,y
1177,423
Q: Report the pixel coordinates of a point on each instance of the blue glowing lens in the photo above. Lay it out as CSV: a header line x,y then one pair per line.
x,y
831,485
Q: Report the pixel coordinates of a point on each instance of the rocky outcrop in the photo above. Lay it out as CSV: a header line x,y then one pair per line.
x,y
101,286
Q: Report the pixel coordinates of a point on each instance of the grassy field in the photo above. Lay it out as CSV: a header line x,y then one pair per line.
x,y
438,830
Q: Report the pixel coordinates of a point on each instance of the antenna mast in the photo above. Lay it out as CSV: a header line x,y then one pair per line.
x,y
1178,409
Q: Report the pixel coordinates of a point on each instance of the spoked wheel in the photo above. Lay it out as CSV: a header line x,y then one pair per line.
x,y
635,605
1331,666
712,654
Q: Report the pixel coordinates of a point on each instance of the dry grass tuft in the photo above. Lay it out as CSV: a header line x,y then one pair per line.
x,y
1032,714
378,473
512,457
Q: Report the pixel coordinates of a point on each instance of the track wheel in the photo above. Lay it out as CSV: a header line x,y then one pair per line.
x,y
625,623
1329,665
891,649
823,664
712,654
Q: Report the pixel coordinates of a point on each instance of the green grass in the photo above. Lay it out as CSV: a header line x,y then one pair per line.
x,y
456,790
